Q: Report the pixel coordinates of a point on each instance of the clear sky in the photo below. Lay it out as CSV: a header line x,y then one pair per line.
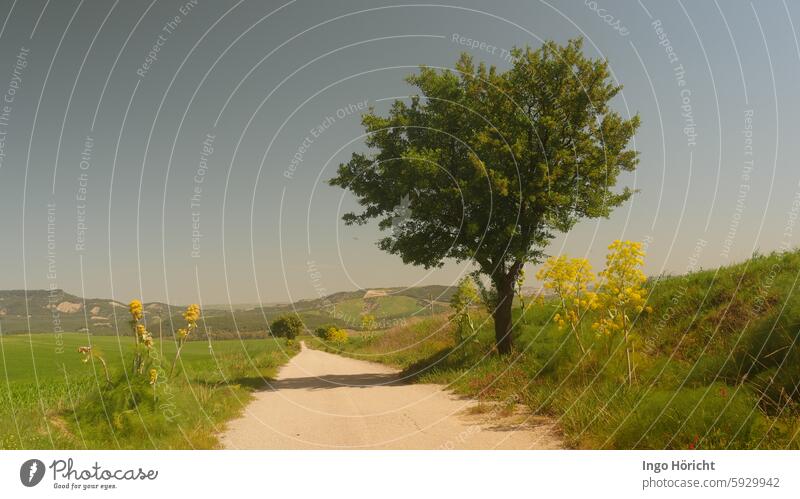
x,y
101,143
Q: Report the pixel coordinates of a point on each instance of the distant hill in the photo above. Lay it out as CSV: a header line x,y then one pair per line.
x,y
43,311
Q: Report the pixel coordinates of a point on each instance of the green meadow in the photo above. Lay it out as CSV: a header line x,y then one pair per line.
x,y
384,308
50,398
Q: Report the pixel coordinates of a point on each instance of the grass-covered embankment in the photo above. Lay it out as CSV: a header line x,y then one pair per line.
x,y
717,363
73,406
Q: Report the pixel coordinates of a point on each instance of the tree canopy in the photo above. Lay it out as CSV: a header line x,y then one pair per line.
x,y
489,165
287,326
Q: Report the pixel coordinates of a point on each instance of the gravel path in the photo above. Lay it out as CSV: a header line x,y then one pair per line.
x,y
325,401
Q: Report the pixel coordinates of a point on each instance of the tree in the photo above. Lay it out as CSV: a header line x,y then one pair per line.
x,y
287,326
493,164
321,331
622,294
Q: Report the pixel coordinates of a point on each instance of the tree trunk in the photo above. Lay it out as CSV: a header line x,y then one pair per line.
x,y
502,316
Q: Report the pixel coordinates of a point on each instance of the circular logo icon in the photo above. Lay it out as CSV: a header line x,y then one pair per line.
x,y
31,472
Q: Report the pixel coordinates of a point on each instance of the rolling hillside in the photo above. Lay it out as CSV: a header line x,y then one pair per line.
x,y
48,310
43,311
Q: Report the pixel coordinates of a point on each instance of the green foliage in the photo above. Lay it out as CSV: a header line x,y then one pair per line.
x,y
287,326
519,282
466,296
487,165
321,331
488,295
463,299
690,418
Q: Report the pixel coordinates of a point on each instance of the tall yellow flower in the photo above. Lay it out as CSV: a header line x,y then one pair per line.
x,y
136,310
622,295
465,297
192,313
144,335
569,280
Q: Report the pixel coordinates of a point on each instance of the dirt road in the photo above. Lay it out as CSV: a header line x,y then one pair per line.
x,y
325,401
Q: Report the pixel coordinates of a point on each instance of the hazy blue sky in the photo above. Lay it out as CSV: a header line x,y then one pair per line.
x,y
258,75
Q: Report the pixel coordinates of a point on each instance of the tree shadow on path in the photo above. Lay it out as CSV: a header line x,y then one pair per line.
x,y
361,380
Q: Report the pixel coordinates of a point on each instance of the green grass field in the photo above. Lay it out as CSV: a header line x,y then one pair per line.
x,y
24,355
383,308
49,398
718,364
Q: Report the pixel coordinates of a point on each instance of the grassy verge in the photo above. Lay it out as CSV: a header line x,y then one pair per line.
x,y
718,364
50,399
418,340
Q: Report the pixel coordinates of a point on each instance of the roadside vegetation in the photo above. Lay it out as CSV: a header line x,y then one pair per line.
x,y
332,334
710,360
77,391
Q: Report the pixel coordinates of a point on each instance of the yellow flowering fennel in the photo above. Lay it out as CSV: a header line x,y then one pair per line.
x,y
136,310
622,295
465,296
144,336
367,322
569,280
336,335
191,315
153,380
140,333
